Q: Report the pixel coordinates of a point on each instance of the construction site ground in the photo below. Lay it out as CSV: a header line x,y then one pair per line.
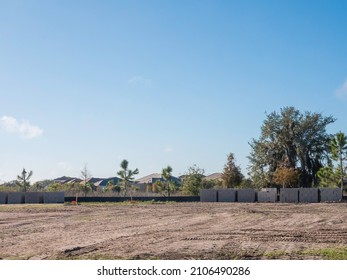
x,y
171,231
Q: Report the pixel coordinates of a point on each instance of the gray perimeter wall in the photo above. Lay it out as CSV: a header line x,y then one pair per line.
x,y
3,197
15,198
53,197
246,195
226,195
309,195
267,196
330,194
289,195
269,190
208,195
33,197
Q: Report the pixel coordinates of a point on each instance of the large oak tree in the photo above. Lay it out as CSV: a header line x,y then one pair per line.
x,y
290,139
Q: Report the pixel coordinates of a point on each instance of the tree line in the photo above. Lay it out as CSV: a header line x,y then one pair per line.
x,y
293,150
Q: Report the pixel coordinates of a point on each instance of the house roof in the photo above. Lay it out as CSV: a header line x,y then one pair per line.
x,y
151,178
93,180
73,180
64,179
148,179
214,176
104,181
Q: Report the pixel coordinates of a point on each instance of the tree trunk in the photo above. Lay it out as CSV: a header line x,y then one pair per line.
x,y
341,170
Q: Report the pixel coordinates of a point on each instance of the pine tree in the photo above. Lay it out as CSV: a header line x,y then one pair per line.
x,y
23,180
232,176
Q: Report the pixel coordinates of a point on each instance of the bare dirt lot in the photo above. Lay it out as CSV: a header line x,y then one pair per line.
x,y
174,231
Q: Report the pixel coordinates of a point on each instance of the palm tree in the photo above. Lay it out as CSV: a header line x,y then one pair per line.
x,y
23,180
166,175
126,176
338,146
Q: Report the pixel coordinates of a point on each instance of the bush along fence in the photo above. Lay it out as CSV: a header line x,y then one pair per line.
x,y
287,195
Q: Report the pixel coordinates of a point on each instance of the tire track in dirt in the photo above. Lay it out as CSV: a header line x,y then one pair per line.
x,y
170,231
259,235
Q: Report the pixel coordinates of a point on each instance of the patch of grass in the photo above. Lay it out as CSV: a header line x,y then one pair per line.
x,y
72,205
126,203
237,255
101,256
339,253
142,202
273,255
88,257
21,207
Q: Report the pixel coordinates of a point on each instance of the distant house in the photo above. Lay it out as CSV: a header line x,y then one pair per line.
x,y
214,176
74,180
92,180
67,180
102,182
95,182
150,179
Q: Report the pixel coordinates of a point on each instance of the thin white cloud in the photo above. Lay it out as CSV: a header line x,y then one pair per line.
x,y
65,166
140,80
23,128
341,93
168,149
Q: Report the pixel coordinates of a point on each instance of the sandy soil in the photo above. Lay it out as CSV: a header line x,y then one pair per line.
x,y
171,231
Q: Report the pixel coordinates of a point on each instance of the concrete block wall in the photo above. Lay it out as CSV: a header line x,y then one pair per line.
x,y
330,194
33,197
3,197
15,198
274,190
226,195
267,196
53,197
309,195
246,195
208,195
289,195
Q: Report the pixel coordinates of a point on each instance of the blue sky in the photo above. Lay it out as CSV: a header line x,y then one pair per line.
x,y
159,82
